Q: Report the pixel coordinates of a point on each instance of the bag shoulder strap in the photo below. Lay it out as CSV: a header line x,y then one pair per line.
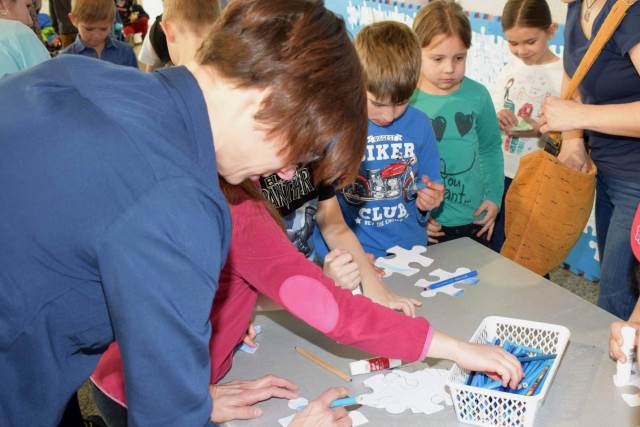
x,y
609,26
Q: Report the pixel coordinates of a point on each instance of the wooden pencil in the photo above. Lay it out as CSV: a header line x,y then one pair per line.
x,y
322,363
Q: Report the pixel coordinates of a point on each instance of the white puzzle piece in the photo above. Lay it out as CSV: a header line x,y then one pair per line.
x,y
298,404
450,290
403,257
421,391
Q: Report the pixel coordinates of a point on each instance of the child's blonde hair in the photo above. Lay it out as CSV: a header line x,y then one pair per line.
x,y
196,13
390,55
93,10
442,17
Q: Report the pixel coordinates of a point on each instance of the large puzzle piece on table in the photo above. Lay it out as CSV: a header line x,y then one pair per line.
x,y
421,391
403,257
584,259
449,289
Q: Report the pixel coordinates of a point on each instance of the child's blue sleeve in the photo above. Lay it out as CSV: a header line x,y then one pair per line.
x,y
428,158
160,263
491,160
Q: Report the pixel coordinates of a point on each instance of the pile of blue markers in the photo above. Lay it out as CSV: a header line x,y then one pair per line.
x,y
535,364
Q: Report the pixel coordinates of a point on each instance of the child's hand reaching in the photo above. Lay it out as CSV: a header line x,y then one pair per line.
x,y
615,339
506,120
383,296
430,197
493,360
249,338
434,230
340,266
489,220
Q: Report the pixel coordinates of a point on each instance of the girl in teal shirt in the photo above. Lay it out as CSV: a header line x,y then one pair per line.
x,y
464,121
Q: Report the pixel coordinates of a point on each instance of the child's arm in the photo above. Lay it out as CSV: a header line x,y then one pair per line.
x,y
265,258
337,234
428,159
491,164
274,267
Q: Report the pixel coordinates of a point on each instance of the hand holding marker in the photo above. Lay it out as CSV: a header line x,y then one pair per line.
x,y
535,364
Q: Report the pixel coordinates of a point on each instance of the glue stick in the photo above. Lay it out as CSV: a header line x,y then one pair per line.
x,y
623,372
376,364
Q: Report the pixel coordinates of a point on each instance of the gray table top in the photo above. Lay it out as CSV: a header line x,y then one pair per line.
x,y
582,393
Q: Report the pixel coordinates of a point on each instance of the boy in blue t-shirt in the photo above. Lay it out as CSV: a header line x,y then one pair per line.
x,y
94,21
399,180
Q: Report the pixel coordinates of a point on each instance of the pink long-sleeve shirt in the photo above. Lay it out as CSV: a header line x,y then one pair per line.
x,y
262,260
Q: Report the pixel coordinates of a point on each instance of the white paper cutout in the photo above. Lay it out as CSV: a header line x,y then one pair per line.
x,y
449,289
357,418
403,257
298,404
421,391
631,399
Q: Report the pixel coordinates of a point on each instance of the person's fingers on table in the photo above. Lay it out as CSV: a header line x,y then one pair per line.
x,y
272,381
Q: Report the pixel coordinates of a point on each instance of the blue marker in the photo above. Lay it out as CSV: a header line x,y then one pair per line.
x,y
536,358
452,280
345,401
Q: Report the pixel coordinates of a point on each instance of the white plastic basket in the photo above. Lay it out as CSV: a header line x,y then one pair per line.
x,y
484,407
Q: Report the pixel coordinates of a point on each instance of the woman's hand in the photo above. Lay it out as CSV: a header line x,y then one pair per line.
x,y
434,230
319,414
560,115
340,266
574,155
615,340
489,220
235,400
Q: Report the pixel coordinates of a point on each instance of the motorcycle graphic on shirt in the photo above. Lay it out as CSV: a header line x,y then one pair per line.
x,y
393,181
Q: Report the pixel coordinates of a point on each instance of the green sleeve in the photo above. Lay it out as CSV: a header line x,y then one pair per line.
x,y
491,160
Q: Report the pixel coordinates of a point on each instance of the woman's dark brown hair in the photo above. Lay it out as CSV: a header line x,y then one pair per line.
x,y
301,53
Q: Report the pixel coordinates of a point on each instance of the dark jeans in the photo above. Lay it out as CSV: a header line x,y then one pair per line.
x,y
498,238
114,414
616,202
469,230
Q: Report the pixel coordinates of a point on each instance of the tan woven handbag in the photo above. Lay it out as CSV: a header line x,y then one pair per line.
x,y
548,204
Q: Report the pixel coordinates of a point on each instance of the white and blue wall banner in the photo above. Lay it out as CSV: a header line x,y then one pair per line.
x,y
488,54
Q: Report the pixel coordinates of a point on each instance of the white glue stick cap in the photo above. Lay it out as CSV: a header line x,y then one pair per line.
x,y
359,367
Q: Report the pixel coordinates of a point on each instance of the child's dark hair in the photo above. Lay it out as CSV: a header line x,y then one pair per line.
x,y
526,13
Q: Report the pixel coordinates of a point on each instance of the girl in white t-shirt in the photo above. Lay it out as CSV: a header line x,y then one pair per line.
x,y
534,73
